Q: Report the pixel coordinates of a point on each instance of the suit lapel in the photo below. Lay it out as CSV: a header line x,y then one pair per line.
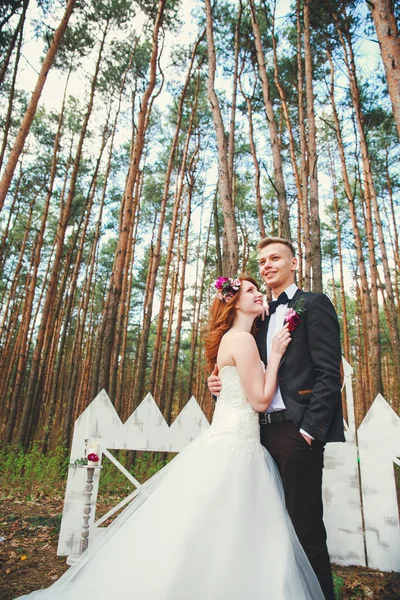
x,y
295,298
262,339
291,304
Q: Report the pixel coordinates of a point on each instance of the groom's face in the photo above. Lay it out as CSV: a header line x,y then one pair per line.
x,y
277,266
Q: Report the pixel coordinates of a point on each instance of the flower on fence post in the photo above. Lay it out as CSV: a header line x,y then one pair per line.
x,y
93,458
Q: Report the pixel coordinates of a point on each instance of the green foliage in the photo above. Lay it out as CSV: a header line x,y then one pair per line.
x,y
127,58
338,583
33,471
8,9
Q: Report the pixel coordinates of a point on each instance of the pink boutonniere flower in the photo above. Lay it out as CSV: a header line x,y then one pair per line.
x,y
292,315
292,318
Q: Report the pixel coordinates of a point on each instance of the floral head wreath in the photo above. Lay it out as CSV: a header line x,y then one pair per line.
x,y
227,287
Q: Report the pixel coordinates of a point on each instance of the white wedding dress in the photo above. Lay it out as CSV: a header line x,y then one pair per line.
x,y
212,526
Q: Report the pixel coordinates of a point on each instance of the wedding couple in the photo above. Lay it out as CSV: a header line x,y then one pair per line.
x,y
213,525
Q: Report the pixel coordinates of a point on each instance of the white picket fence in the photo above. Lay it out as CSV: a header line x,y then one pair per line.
x,y
361,507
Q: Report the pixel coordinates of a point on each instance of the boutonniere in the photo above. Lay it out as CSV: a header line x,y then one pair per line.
x,y
292,315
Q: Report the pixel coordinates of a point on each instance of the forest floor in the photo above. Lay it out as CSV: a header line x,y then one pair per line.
x,y
29,526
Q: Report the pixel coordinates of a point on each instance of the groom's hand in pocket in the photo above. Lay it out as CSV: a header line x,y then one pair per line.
x,y
308,439
214,382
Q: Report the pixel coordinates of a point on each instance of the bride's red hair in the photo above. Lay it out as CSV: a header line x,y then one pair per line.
x,y
221,319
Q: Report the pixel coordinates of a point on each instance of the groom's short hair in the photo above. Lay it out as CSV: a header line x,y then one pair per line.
x,y
275,240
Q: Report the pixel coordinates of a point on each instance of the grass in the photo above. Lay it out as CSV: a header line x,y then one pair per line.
x,y
31,471
338,583
27,471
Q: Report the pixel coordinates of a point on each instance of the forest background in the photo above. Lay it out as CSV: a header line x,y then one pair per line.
x,y
167,140
145,147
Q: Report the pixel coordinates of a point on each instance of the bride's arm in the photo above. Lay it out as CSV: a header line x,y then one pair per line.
x,y
258,385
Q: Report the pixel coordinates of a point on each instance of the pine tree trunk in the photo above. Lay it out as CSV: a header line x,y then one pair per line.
x,y
395,240
393,232
77,346
285,110
231,144
81,235
315,227
217,235
13,214
257,174
115,286
230,256
118,359
345,327
372,207
139,366
176,207
389,44
279,183
35,383
51,339
31,110
395,396
304,166
361,361
174,362
366,295
12,301
162,382
197,305
82,313
121,388
8,119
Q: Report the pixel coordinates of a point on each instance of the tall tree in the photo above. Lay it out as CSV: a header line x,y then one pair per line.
x,y
31,110
315,228
48,316
115,285
279,182
389,43
230,254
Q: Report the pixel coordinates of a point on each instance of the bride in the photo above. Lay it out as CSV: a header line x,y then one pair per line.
x,y
212,525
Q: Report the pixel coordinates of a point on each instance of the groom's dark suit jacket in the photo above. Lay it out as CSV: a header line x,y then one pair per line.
x,y
309,372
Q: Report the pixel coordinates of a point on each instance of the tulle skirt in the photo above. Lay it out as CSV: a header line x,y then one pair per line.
x,y
212,525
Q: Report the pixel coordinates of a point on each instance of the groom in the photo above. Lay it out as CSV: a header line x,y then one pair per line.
x,y
306,411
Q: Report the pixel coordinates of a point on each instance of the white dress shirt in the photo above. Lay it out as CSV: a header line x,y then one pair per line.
x,y
276,321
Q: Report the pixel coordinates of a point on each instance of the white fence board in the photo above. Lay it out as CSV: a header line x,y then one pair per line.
x,y
379,447
341,491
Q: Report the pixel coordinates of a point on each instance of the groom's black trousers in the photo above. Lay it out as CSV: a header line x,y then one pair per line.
x,y
300,466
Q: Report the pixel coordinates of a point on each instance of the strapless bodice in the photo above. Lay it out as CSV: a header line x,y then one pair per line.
x,y
234,414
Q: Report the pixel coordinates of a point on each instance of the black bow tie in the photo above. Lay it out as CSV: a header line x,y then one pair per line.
x,y
282,299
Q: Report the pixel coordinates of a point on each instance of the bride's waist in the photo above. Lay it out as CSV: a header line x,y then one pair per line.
x,y
245,427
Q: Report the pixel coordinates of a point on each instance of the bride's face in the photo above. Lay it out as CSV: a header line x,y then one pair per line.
x,y
250,299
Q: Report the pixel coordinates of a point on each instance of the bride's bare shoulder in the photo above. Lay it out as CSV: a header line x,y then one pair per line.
x,y
234,344
238,336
